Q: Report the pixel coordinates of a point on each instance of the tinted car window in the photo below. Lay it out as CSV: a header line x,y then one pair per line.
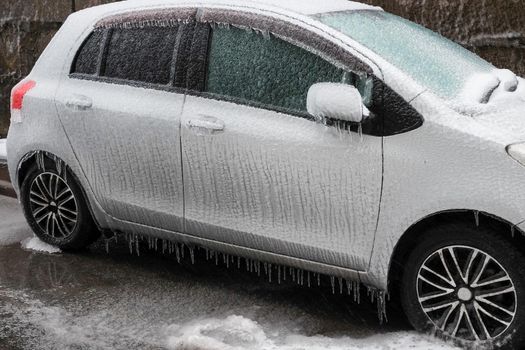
x,y
141,54
87,58
248,66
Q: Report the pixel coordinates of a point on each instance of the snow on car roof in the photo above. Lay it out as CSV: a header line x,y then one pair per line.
x,y
304,7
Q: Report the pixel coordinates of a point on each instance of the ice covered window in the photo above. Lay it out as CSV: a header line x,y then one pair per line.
x,y
86,61
141,54
263,69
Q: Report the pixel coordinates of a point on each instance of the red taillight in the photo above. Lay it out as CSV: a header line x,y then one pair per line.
x,y
17,99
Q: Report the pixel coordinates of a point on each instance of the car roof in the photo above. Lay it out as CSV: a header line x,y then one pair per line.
x,y
303,7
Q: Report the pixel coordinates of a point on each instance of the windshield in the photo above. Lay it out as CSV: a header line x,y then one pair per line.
x,y
436,63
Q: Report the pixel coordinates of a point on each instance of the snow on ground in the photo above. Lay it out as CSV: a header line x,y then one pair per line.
x,y
240,333
3,150
13,227
34,243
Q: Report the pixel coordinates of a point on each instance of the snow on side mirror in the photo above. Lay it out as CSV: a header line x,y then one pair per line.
x,y
336,101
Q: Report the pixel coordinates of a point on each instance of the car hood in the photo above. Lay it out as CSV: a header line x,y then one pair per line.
x,y
509,119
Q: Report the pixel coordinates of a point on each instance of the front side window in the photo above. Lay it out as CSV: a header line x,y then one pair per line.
x,y
265,70
140,54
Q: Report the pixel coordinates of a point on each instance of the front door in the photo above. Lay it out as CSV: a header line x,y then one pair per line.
x,y
259,173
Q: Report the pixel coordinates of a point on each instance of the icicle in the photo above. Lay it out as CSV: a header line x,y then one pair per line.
x,y
360,132
216,258
348,287
238,262
292,271
192,255
40,161
270,273
284,273
130,243
181,249
107,246
227,261
258,264
513,230
137,245
381,306
178,252
308,278
340,285
278,274
332,281
318,280
476,217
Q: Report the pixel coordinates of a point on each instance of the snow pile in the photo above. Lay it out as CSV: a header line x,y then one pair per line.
x,y
240,333
13,226
3,150
489,92
34,243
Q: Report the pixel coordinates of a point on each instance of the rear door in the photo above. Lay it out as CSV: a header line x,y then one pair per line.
x,y
121,108
259,172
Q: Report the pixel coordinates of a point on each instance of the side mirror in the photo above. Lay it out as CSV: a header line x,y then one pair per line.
x,y
336,101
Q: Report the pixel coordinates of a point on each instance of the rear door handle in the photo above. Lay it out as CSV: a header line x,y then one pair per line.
x,y
79,102
206,123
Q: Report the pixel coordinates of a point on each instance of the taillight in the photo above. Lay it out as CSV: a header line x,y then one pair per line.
x,y
19,92
17,99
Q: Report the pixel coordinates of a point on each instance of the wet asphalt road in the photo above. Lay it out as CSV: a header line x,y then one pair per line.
x,y
118,300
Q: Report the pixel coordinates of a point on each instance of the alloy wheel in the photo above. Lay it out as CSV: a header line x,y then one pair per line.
x,y
53,205
466,293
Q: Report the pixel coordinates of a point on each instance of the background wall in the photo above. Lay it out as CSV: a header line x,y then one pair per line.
x,y
493,29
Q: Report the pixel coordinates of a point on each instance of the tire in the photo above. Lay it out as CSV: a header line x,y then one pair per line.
x,y
55,207
489,264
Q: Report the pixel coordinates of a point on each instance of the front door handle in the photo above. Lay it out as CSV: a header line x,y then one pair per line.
x,y
79,102
206,123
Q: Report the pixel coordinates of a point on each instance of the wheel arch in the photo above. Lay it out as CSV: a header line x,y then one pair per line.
x,y
416,233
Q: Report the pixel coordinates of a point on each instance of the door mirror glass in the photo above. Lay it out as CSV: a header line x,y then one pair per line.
x,y
336,101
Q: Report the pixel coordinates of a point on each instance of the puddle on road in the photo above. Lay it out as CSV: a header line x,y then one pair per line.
x,y
118,301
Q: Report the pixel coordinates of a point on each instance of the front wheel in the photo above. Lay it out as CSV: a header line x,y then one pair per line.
x,y
55,208
466,283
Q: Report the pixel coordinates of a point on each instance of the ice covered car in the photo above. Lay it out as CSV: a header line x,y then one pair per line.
x,y
325,136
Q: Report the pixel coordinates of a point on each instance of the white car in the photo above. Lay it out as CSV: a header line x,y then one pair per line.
x,y
329,137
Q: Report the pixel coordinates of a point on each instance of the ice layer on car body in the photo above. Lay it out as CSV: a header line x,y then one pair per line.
x,y
385,240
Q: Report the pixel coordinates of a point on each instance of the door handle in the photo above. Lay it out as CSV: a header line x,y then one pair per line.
x,y
79,102
203,122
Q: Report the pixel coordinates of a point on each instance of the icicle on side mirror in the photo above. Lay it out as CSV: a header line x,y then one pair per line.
x,y
336,101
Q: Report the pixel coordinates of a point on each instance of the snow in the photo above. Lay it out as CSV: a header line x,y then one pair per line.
x,y
3,150
338,101
34,243
241,333
13,227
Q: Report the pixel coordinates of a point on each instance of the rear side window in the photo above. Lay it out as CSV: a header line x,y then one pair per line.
x,y
141,54
247,66
88,56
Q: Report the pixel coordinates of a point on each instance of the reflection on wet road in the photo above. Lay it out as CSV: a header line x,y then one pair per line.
x,y
95,300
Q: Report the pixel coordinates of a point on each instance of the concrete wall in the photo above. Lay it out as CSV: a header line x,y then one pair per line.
x,y
493,29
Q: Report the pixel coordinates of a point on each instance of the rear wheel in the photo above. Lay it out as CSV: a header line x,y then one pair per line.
x,y
55,208
466,283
